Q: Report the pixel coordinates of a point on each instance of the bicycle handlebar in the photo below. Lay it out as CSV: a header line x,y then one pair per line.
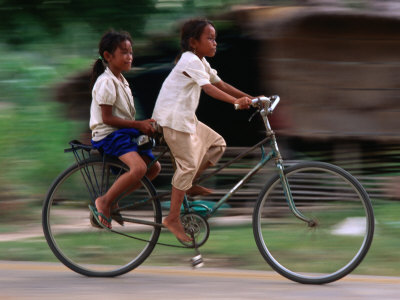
x,y
268,103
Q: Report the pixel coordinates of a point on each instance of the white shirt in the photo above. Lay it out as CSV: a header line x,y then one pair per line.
x,y
179,95
109,90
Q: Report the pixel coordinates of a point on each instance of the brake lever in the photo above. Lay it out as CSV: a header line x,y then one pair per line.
x,y
252,116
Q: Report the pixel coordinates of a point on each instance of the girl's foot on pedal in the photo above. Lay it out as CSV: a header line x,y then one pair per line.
x,y
176,228
102,209
198,190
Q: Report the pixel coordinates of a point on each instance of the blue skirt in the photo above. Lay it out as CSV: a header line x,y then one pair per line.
x,y
121,142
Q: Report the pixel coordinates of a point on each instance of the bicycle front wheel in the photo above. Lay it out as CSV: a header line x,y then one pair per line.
x,y
90,250
337,239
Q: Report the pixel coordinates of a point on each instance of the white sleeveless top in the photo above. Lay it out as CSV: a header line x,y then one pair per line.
x,y
179,95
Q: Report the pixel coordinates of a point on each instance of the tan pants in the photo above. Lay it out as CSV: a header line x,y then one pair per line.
x,y
191,151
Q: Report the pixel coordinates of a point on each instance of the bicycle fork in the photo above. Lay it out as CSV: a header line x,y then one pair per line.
x,y
285,182
289,196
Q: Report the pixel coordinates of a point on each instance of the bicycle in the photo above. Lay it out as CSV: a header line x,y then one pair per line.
x,y
298,219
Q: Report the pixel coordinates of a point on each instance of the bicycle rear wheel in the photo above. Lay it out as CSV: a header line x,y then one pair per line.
x,y
89,250
324,251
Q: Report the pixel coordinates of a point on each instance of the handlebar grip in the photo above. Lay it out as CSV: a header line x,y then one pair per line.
x,y
253,102
275,100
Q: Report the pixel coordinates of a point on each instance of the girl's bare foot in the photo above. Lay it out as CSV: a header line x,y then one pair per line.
x,y
103,209
175,226
198,190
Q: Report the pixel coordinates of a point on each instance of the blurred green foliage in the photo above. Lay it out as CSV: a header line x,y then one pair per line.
x,y
42,44
33,131
32,21
28,21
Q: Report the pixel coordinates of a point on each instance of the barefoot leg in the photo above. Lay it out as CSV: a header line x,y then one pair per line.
x,y
173,221
210,158
151,174
137,169
198,190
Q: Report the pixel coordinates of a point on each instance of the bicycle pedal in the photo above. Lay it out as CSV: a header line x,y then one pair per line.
x,y
197,261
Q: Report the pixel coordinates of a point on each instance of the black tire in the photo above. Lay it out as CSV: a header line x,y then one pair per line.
x,y
90,250
330,248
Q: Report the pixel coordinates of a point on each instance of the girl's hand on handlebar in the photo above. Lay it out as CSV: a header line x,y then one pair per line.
x,y
147,126
243,102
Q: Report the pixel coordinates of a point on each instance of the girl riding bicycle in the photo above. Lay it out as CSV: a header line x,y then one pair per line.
x,y
112,120
193,145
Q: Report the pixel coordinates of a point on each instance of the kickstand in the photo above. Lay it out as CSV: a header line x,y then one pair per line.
x,y
197,260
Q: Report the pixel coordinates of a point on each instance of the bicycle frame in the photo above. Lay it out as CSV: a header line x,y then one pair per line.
x,y
264,159
272,154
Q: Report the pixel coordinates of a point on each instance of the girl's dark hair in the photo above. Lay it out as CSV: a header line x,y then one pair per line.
x,y
191,29
109,42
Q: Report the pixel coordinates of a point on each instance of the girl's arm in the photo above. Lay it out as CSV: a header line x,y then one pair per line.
x,y
227,88
144,126
243,99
